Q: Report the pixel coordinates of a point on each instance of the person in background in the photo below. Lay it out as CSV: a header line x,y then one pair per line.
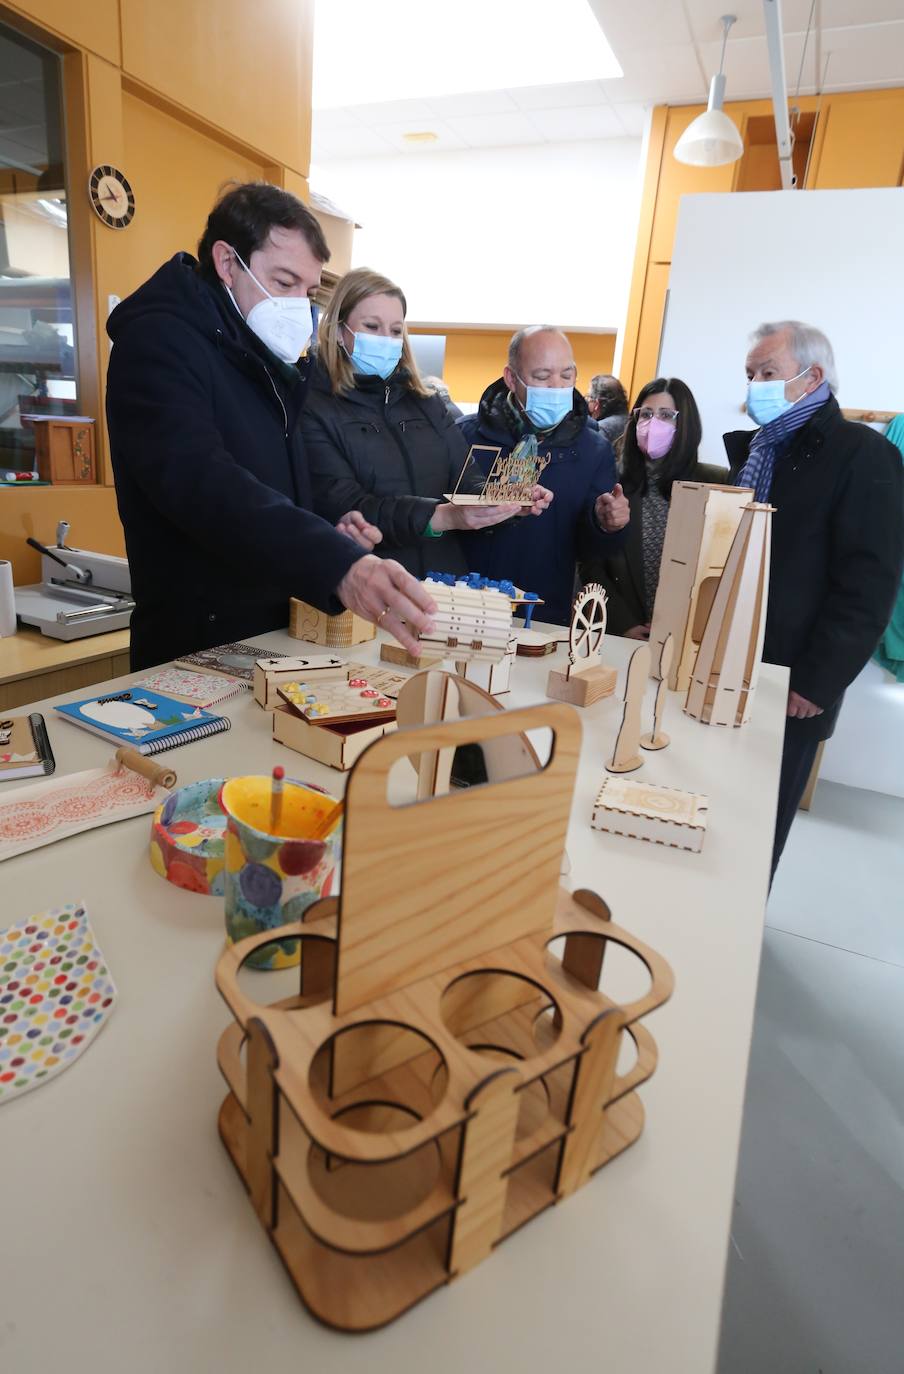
x,y
379,442
439,388
203,400
536,395
659,447
607,402
837,535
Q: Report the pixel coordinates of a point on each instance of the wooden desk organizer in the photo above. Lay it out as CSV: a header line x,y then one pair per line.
x,y
448,1068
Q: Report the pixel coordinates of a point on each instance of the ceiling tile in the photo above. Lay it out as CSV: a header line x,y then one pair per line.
x,y
329,121
591,121
633,117
393,112
865,55
476,103
628,26
747,74
446,135
497,130
658,75
554,97
349,143
837,13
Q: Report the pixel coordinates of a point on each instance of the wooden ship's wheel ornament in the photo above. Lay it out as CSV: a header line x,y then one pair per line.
x,y
586,679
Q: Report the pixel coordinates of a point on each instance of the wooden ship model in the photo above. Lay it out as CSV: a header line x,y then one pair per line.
x,y
448,1069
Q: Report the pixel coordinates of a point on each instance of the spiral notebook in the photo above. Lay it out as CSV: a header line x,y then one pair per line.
x,y
198,689
145,720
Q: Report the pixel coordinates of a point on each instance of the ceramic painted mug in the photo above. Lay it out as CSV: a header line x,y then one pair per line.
x,y
273,876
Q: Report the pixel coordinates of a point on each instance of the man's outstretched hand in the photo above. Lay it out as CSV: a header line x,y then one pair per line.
x,y
612,509
381,590
354,526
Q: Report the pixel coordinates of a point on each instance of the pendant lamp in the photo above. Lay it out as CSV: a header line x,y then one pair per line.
x,y
712,139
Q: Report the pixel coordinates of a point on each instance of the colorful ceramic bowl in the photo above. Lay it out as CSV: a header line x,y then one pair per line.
x,y
188,838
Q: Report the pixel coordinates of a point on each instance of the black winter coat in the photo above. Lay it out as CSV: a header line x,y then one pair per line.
x,y
837,551
211,478
391,454
621,572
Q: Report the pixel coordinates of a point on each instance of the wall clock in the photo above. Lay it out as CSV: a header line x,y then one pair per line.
x,y
111,196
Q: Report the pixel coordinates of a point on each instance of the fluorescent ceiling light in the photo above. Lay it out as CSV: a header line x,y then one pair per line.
x,y
367,53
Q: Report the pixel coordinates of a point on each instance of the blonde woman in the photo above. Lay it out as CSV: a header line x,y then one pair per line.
x,y
378,442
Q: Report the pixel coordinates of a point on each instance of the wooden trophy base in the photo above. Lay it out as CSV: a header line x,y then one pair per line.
x,y
629,766
659,741
581,689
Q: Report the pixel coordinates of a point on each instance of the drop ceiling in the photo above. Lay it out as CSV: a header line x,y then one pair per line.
x,y
667,49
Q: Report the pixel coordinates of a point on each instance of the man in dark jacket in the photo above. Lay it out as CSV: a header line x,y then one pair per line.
x,y
587,518
203,400
607,402
837,536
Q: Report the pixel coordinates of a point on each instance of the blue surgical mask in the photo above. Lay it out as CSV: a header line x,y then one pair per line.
x,y
766,401
547,406
375,355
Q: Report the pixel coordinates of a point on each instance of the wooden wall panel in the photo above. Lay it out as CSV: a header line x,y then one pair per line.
x,y
91,24
244,68
650,332
863,142
176,174
90,510
476,357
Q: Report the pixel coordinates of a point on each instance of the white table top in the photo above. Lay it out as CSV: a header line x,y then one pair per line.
x,y
127,1239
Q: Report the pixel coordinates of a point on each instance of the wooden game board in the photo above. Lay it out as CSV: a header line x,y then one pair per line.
x,y
338,700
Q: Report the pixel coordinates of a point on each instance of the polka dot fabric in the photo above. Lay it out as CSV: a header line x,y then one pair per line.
x,y
55,995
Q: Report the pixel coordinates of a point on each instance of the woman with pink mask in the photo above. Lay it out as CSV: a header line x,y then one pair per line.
x,y
659,446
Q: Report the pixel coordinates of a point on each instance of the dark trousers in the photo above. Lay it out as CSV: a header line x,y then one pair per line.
x,y
801,743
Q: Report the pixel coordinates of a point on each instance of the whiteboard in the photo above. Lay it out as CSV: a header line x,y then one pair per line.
x,y
834,259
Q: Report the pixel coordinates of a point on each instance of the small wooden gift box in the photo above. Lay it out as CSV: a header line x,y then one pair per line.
x,y
270,672
643,811
335,631
64,449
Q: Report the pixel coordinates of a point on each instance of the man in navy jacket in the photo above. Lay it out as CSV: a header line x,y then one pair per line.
x,y
536,395
203,399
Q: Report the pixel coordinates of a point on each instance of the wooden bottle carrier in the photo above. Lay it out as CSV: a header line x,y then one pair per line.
x,y
448,1068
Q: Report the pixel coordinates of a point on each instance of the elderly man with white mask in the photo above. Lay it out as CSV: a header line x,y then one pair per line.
x,y
837,535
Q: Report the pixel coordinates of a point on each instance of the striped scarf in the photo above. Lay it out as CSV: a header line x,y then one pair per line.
x,y
773,440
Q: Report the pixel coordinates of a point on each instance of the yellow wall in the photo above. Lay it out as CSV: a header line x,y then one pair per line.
x,y
858,141
164,91
476,357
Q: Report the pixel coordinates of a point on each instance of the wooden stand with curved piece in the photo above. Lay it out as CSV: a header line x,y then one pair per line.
x,y
434,696
625,758
446,1071
703,519
586,679
731,641
657,738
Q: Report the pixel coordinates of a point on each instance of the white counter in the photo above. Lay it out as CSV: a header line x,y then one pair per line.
x,y
127,1240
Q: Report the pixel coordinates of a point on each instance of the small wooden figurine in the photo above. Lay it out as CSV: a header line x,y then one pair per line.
x,y
625,758
586,679
449,1067
731,637
702,523
657,738
510,479
335,631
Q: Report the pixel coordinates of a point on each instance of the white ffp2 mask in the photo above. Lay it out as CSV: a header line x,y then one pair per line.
x,y
283,323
